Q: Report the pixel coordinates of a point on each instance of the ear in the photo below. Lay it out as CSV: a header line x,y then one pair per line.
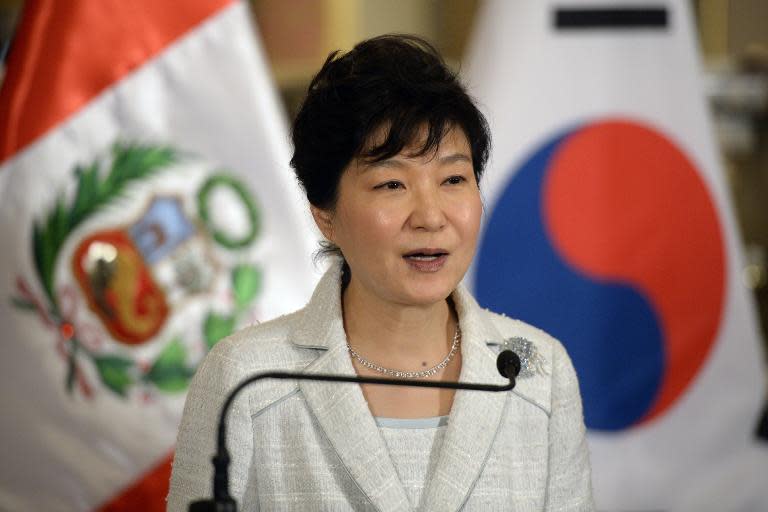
x,y
324,221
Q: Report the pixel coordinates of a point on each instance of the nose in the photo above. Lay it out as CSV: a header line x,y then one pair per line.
x,y
427,211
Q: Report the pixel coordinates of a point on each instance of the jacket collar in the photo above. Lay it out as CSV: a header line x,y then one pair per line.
x,y
343,414
475,416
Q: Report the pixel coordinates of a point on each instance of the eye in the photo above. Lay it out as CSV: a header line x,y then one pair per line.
x,y
389,185
455,180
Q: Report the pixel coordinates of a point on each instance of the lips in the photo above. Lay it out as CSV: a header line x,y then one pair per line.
x,y
426,260
425,253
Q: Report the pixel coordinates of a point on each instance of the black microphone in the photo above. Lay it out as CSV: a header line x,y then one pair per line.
x,y
508,364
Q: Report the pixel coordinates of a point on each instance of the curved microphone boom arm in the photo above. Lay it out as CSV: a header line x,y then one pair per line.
x,y
508,364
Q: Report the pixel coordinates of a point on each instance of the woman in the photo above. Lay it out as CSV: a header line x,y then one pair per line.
x,y
390,150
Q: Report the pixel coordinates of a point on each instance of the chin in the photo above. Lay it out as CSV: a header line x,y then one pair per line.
x,y
426,289
429,295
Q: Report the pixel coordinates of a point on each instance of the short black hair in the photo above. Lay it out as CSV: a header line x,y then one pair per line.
x,y
396,82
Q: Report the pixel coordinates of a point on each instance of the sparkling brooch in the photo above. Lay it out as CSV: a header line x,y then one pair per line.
x,y
531,362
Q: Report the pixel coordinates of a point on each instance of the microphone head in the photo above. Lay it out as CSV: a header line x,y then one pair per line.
x,y
508,364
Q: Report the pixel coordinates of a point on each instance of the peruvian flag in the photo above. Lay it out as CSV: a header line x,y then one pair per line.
x,y
146,211
609,224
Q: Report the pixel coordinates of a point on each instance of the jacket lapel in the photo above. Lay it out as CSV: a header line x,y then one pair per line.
x,y
341,409
475,416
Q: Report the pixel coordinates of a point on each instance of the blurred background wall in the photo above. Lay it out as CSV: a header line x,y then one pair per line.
x,y
298,35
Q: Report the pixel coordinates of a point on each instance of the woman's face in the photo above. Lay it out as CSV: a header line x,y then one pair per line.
x,y
407,226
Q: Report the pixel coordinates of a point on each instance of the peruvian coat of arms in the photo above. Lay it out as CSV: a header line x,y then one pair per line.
x,y
138,276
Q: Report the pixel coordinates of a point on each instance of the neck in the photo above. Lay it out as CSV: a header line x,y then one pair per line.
x,y
404,336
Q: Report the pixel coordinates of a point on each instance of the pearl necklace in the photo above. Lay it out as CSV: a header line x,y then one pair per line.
x,y
406,374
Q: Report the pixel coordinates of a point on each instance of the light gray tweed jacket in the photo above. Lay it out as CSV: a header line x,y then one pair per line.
x,y
313,446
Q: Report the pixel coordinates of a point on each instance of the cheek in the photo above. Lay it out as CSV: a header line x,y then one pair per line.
x,y
469,218
382,227
366,228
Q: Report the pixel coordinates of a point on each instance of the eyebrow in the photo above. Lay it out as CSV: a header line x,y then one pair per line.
x,y
455,157
394,163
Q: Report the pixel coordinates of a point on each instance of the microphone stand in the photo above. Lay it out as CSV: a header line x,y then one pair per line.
x,y
508,364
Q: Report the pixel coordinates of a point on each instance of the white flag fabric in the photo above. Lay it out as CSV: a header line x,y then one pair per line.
x,y
146,210
608,224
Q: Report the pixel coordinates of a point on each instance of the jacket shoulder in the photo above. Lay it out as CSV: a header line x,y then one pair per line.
x,y
508,327
259,348
266,346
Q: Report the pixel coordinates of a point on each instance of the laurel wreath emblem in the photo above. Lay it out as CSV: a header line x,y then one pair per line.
x,y
169,372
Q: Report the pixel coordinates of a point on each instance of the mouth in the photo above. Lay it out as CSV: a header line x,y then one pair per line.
x,y
426,260
425,254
